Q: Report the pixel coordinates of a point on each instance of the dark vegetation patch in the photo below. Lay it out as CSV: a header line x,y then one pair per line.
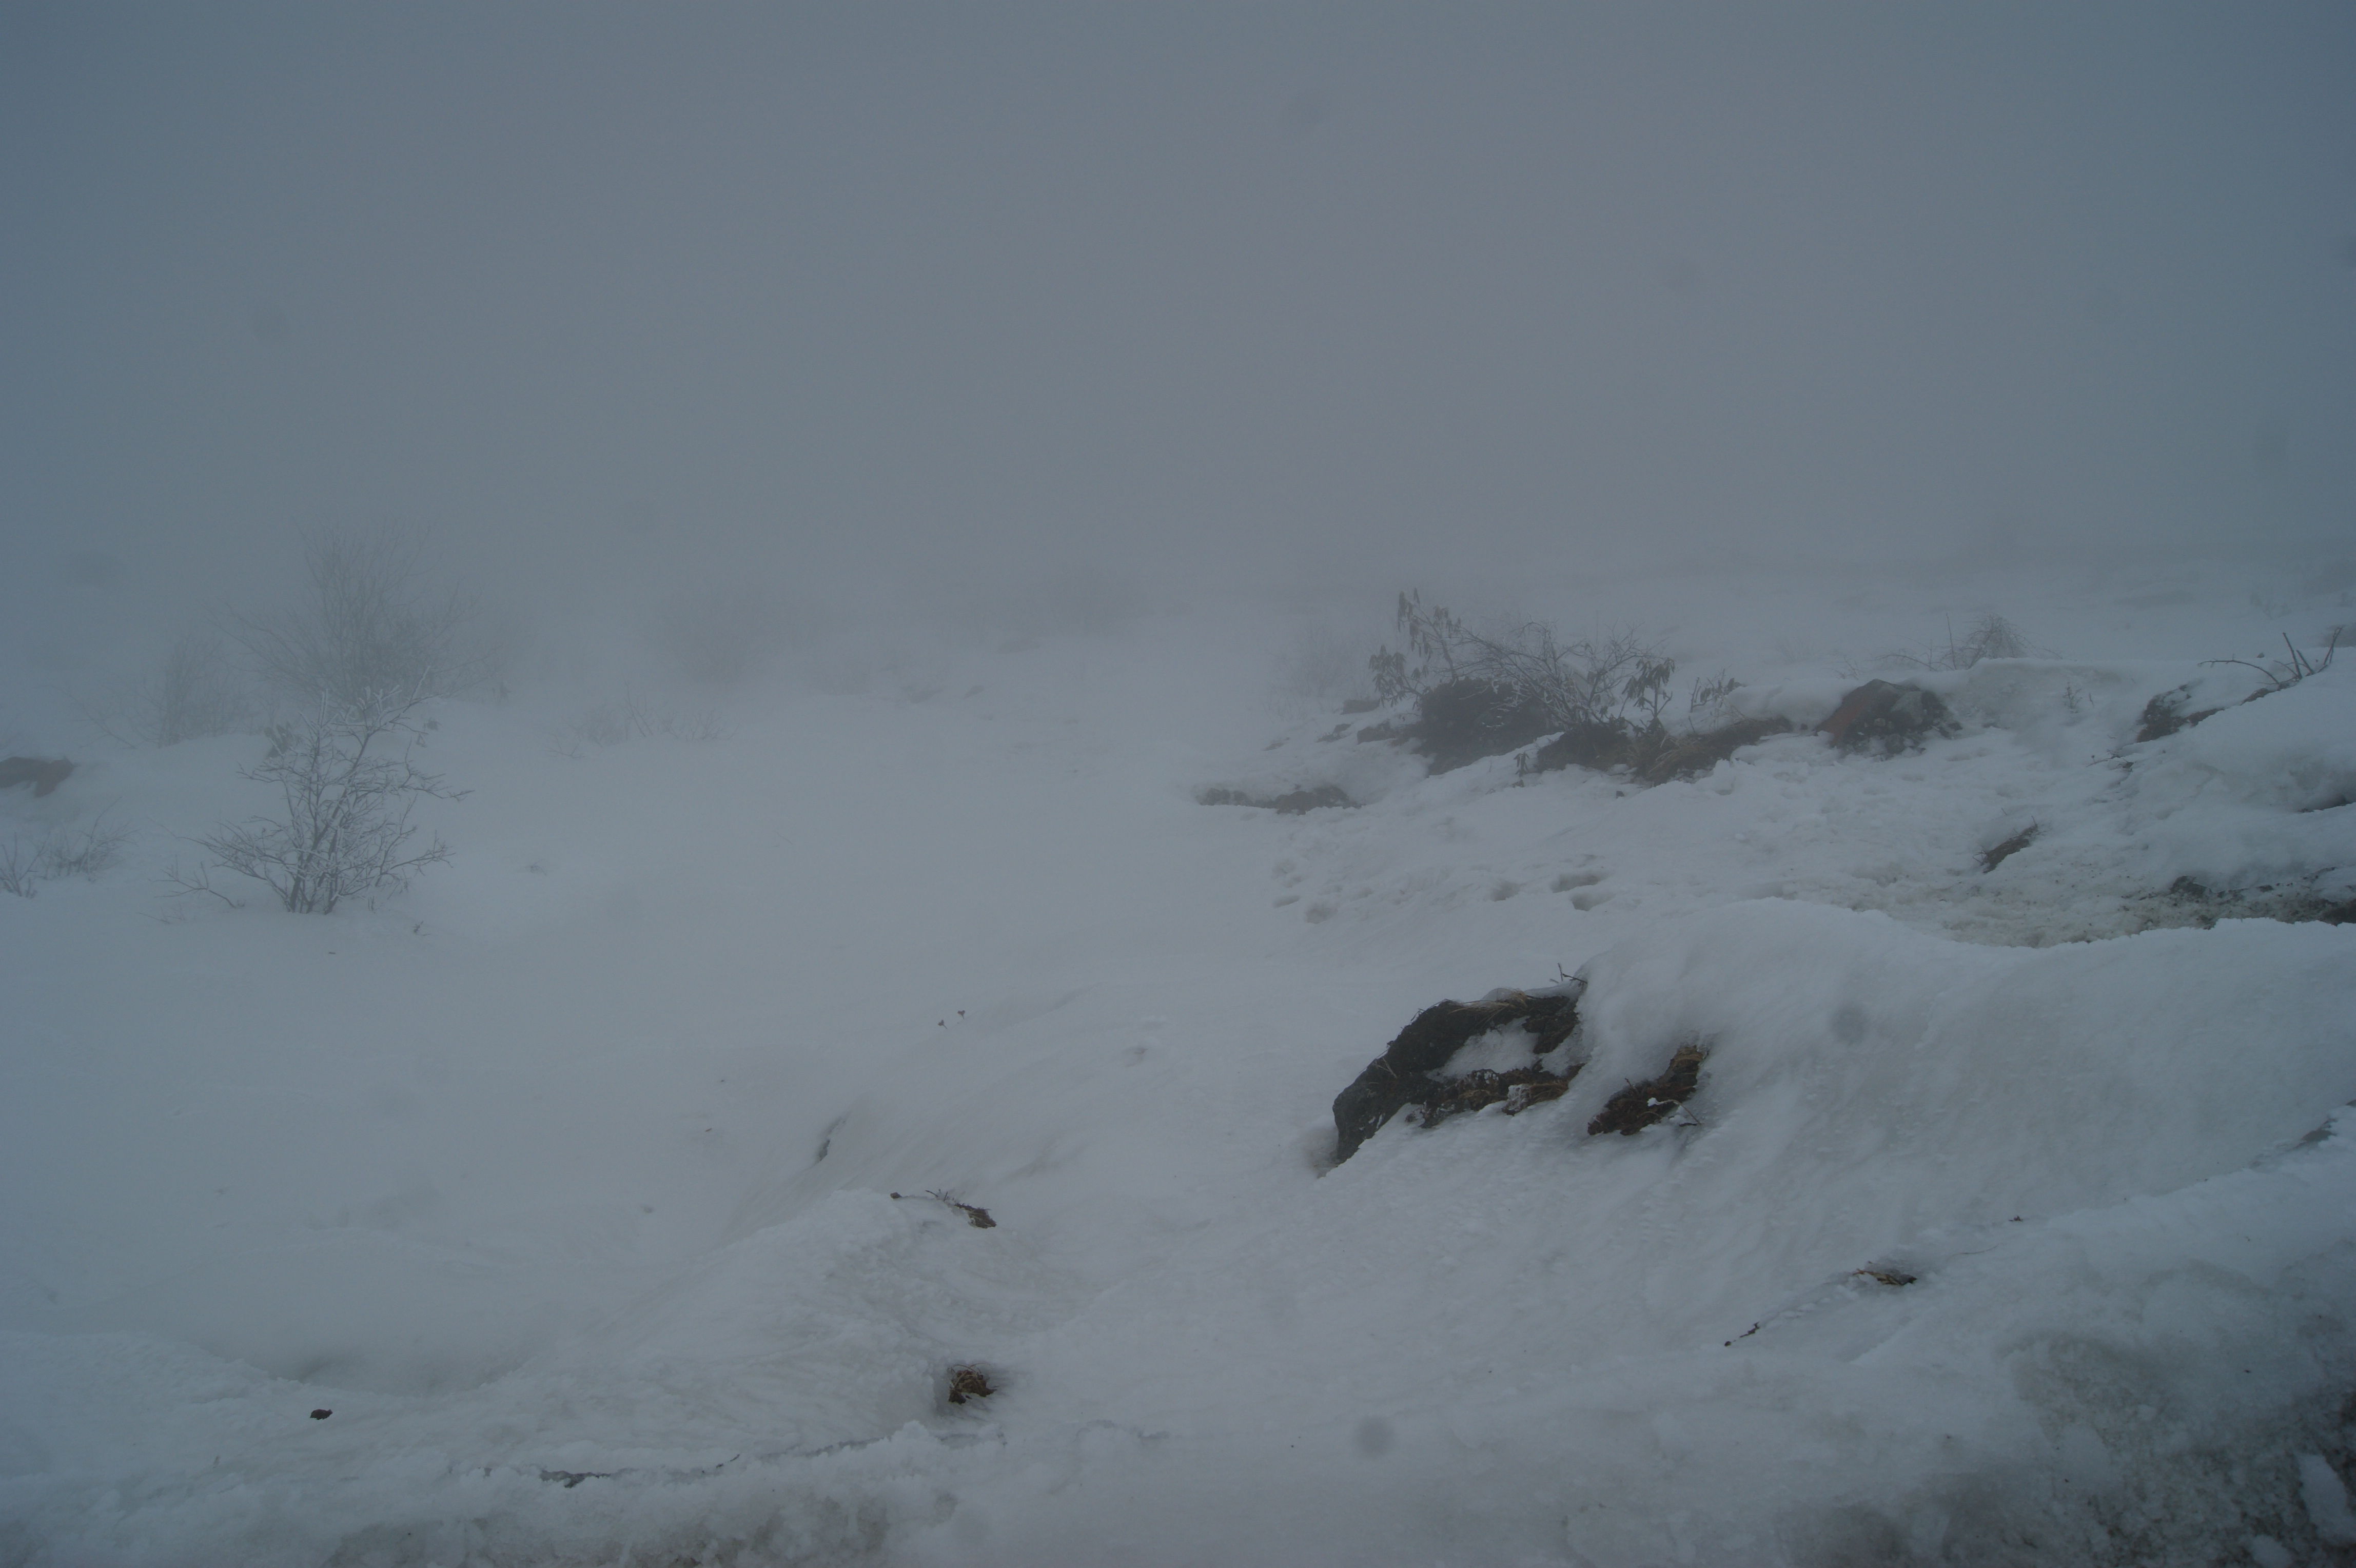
x,y
1992,858
1462,720
2293,903
1639,1105
1517,1089
969,1383
1655,757
1479,695
1292,804
1407,1073
1886,718
1600,703
1698,753
43,773
2165,714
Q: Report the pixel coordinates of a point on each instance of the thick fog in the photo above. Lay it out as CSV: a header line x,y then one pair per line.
x,y
926,300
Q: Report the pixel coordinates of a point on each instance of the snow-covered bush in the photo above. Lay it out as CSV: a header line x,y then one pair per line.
x,y
373,621
347,782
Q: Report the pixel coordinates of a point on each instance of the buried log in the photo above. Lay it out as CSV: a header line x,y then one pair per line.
x,y
1409,1071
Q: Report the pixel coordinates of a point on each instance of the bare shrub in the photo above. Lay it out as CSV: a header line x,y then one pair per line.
x,y
20,867
631,718
372,622
60,853
2283,673
1988,636
1610,680
721,637
347,781
197,692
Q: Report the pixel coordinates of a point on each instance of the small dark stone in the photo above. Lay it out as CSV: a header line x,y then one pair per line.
x,y
321,1414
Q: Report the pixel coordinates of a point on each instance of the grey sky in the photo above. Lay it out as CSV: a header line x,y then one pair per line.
x,y
808,290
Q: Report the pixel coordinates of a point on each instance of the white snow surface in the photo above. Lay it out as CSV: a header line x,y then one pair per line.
x,y
596,1184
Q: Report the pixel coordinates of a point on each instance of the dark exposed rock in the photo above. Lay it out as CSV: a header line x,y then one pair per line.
x,y
1407,1073
1640,1105
43,773
1292,804
1887,718
969,1383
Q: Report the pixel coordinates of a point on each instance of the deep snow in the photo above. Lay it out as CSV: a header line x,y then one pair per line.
x,y
563,1179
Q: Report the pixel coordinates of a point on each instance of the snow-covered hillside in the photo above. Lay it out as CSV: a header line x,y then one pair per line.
x,y
603,1189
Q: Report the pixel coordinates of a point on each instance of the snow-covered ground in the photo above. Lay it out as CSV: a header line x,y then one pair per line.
x,y
588,1183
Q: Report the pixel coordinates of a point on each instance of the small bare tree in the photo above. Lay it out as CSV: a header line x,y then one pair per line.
x,y
347,778
373,622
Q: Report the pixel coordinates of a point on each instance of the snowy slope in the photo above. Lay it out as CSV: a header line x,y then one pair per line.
x,y
564,1180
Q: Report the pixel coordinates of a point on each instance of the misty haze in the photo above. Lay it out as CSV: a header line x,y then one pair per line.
x,y
1027,785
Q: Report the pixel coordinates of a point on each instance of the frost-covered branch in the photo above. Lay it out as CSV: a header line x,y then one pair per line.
x,y
347,781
